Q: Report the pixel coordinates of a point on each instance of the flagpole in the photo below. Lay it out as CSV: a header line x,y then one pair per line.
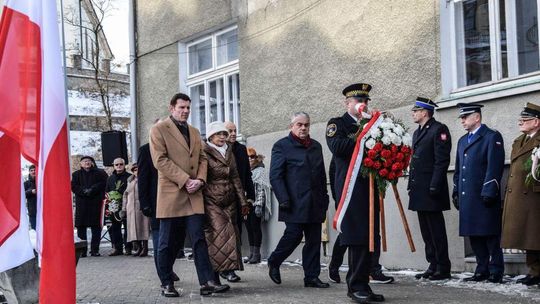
x,y
65,78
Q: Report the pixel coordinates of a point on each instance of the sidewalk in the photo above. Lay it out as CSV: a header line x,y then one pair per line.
x,y
112,280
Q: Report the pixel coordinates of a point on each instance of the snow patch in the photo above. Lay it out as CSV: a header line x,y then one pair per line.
x,y
85,142
89,104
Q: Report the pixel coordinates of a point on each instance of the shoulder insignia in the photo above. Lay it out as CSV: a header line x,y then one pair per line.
x,y
331,130
444,137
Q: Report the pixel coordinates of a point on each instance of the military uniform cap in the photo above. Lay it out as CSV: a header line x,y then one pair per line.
x,y
360,90
422,103
530,111
469,108
87,157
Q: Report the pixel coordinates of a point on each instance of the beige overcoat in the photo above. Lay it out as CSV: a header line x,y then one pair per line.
x,y
138,225
521,213
176,162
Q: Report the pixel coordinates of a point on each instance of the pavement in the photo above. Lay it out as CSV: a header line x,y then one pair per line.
x,y
127,279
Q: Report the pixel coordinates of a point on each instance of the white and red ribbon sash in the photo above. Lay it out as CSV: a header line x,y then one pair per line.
x,y
354,169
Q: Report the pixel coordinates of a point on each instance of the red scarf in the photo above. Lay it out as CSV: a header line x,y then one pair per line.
x,y
306,142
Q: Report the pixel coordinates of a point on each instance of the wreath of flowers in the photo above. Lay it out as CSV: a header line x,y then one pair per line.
x,y
532,166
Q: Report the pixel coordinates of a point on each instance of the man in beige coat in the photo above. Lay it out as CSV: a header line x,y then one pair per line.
x,y
177,154
520,224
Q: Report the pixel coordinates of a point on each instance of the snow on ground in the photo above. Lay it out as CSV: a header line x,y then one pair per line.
x,y
85,142
89,103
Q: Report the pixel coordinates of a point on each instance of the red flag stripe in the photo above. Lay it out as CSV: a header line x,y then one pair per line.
x,y
10,192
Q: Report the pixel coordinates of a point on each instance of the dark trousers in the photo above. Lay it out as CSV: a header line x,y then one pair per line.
x,y
96,237
33,222
117,239
168,247
489,255
155,244
359,268
532,259
338,252
433,232
253,227
311,253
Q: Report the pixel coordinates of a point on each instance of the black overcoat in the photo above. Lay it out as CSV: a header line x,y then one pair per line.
x,y
298,176
147,180
88,205
31,198
429,166
244,170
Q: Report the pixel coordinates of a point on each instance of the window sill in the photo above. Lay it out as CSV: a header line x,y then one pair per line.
x,y
490,91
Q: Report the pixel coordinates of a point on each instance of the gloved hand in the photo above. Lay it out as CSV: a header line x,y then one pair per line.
x,y
455,200
489,202
147,211
258,211
433,192
284,206
245,210
87,191
122,214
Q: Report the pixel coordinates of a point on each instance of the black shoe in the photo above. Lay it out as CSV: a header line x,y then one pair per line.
x,y
211,287
316,283
359,296
333,275
438,276
169,291
175,277
477,277
84,254
95,254
115,252
379,278
181,255
424,275
232,277
495,278
373,297
274,274
529,280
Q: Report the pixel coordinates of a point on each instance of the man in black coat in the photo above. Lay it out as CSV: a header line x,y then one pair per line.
x,y
297,174
355,224
428,186
118,241
244,171
30,193
88,185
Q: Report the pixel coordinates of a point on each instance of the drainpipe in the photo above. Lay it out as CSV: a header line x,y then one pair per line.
x,y
133,80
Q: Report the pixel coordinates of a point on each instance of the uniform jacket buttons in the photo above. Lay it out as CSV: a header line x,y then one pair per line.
x,y
509,190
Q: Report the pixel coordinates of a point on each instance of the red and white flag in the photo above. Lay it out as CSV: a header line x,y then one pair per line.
x,y
34,115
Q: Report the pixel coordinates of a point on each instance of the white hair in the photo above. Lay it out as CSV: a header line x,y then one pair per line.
x,y
297,114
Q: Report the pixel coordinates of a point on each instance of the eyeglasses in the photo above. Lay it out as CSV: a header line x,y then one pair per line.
x,y
118,165
252,156
522,120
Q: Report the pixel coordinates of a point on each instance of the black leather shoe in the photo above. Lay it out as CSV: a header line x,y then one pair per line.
x,y
175,277
438,276
211,287
274,274
529,280
115,252
373,297
84,254
379,278
232,277
477,277
495,278
95,254
316,283
359,296
333,275
169,291
424,275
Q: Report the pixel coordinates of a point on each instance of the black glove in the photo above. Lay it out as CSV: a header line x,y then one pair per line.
x,y
87,191
433,192
489,202
284,206
455,200
147,211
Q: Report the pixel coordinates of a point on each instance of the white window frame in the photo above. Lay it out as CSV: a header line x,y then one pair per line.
x,y
450,59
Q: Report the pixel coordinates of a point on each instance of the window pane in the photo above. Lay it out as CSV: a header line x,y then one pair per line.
x,y
504,45
473,42
230,101
216,100
227,49
527,36
197,108
200,56
234,99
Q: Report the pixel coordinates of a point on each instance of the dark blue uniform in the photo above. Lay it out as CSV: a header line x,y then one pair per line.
x,y
429,165
477,179
298,177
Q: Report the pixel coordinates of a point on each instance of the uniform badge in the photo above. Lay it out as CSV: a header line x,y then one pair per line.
x,y
444,137
498,143
331,130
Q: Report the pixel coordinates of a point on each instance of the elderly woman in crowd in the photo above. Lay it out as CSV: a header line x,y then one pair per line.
x,y
138,226
261,207
223,188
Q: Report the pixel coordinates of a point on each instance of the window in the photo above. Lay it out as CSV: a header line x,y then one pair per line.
x,y
490,41
213,79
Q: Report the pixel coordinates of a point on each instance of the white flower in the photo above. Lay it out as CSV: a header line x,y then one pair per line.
x,y
370,143
375,132
385,125
536,152
386,140
396,140
389,133
388,120
399,130
407,139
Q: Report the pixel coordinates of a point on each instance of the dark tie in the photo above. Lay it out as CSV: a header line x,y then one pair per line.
x,y
469,137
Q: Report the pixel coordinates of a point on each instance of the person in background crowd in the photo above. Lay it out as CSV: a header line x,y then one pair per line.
x,y
223,189
118,181
137,224
521,212
242,165
477,192
30,193
88,185
260,206
177,153
298,176
428,186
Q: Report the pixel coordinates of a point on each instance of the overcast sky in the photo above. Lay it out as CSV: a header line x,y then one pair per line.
x,y
116,29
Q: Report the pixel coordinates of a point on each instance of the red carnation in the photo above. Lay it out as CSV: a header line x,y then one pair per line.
x,y
386,153
372,153
391,176
378,147
383,172
400,156
394,148
405,149
387,163
368,162
377,165
397,167
399,173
